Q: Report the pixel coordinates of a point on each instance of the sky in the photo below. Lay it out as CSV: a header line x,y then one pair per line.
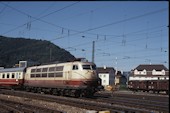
x,y
125,33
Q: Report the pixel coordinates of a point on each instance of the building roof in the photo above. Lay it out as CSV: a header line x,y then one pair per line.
x,y
104,69
150,67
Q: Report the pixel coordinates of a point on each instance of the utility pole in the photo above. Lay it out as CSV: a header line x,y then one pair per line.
x,y
93,47
50,53
116,66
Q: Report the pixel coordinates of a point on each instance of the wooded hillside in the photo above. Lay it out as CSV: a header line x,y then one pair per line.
x,y
13,50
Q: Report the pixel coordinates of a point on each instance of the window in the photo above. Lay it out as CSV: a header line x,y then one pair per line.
x,y
32,70
44,75
38,70
75,67
59,74
13,75
59,68
52,69
94,67
8,75
38,75
87,67
50,74
3,76
32,75
44,69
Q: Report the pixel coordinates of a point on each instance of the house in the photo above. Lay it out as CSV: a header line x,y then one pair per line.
x,y
118,76
123,80
107,75
120,81
150,70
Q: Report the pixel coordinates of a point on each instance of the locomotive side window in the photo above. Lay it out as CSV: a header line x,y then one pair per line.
x,y
32,70
59,68
38,75
38,70
32,75
59,74
52,69
50,74
44,75
47,72
75,67
44,69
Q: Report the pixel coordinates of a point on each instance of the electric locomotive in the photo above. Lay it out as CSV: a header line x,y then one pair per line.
x,y
76,78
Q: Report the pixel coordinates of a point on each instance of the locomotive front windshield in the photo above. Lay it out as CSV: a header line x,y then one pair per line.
x,y
89,67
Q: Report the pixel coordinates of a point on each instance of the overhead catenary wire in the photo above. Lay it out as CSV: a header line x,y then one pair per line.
x,y
45,10
3,9
127,34
35,19
114,23
78,32
98,35
63,29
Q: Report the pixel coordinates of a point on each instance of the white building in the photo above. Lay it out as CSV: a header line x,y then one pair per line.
x,y
149,72
107,75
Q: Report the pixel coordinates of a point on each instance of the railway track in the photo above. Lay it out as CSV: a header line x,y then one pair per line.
x,y
99,103
141,95
160,104
9,106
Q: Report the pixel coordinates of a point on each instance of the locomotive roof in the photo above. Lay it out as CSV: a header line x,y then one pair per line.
x,y
12,69
62,63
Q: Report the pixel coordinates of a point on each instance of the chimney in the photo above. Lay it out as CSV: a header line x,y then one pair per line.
x,y
104,67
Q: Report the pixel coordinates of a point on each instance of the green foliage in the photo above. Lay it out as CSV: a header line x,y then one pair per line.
x,y
123,87
13,50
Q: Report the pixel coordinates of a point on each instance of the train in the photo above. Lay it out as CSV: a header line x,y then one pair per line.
x,y
155,84
74,78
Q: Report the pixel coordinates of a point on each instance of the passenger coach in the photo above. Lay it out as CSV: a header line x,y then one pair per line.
x,y
12,77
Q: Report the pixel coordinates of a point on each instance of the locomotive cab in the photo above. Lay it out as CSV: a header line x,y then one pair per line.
x,y
84,71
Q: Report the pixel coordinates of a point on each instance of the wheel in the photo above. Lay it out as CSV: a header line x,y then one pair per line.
x,y
77,93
